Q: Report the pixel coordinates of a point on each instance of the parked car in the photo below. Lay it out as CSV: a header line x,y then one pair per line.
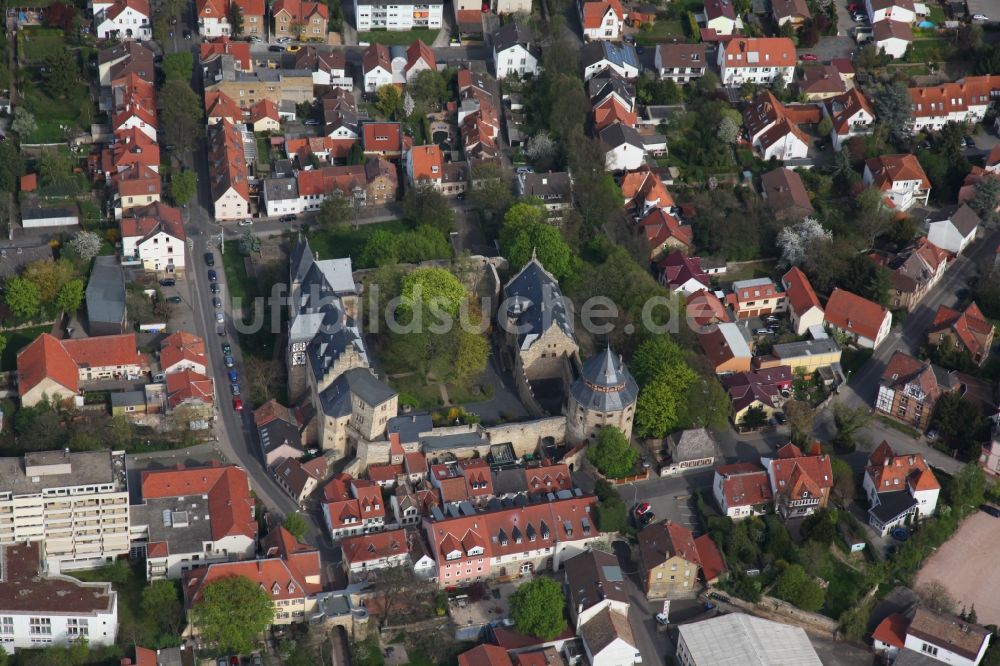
x,y
312,121
661,618
255,660
174,299
969,143
275,49
980,18
209,259
235,389
809,57
227,350
237,404
215,288
168,282
525,169
213,276
222,661
221,330
229,361
187,34
285,218
283,40
233,377
217,302
761,331
646,518
642,508
780,418
245,222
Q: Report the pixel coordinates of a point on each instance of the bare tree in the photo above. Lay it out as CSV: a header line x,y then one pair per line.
x,y
936,597
399,590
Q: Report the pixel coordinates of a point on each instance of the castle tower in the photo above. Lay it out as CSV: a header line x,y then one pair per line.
x,y
604,395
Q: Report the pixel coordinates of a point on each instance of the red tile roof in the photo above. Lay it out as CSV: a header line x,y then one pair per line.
x,y
887,169
892,630
712,563
890,472
485,655
970,326
327,180
853,313
137,180
375,546
427,163
384,472
795,476
338,488
228,488
418,51
663,540
376,55
643,187
224,46
189,385
274,575
220,105
104,351
799,291
265,108
772,52
182,346
744,484
29,182
226,161
132,147
300,10
548,478
948,98
704,307
44,358
146,221
612,111
595,11
843,108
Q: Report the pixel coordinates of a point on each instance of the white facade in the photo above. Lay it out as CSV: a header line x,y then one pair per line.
x,y
610,27
174,565
859,123
32,630
894,12
935,119
616,653
160,252
926,499
376,78
134,121
425,567
737,72
736,511
381,16
894,47
231,206
868,343
212,26
941,653
788,147
946,236
624,157
903,194
624,69
725,25
128,24
515,60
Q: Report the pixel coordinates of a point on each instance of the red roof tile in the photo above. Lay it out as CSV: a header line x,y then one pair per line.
x,y
485,655
853,313
228,488
712,563
892,630
224,46
189,385
375,546
889,168
104,351
44,358
182,346
799,291
774,51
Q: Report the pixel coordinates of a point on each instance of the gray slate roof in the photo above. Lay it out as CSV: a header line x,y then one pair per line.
x,y
962,218
356,382
512,34
893,505
605,384
106,292
592,577
410,426
693,445
536,303
617,134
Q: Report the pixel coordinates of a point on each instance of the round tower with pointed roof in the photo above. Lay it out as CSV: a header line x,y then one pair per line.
x,y
604,395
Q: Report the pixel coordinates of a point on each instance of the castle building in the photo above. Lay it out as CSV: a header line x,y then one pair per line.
x,y
604,395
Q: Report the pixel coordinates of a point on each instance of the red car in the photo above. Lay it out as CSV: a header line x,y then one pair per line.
x,y
854,8
809,57
238,404
642,508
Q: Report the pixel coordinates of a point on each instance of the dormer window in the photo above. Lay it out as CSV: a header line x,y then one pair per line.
x,y
275,589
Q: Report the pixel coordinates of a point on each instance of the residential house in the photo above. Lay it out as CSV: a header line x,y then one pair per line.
x,y
820,82
800,483
721,17
153,237
945,638
773,127
795,12
213,49
786,195
756,60
608,639
376,68
105,297
953,228
965,330
485,655
365,555
664,233
510,542
680,62
909,389
131,149
851,114
889,636
623,147
280,432
545,479
619,58
670,561
803,305
290,573
514,51
756,298
681,273
901,178
612,111
900,488
122,59
419,57
300,19
806,355
963,101
300,479
213,18
760,390
281,86
914,271
221,107
424,164
592,582
555,189
382,139
381,15
123,19
742,490
133,105
362,512
133,187
601,19
743,639
190,516
690,450
227,170
643,191
411,504
192,392
329,68
39,610
705,309
892,37
726,349
264,117
898,10
866,322
182,351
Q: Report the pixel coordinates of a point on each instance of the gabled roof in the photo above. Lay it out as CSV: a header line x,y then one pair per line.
x,y
887,169
970,326
226,161
892,630
119,6
621,55
382,137
744,484
265,108
679,54
712,562
45,358
604,628
704,307
853,313
418,51
104,351
962,217
427,162
666,539
300,10
535,301
147,221
189,385
842,109
759,51
799,291
660,226
821,79
376,55
678,268
617,134
375,546
949,632
594,12
790,8
221,46
220,105
182,346
887,29
485,655
723,343
796,476
719,9
785,192
512,34
611,110
890,472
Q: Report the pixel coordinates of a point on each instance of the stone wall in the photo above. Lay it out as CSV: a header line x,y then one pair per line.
x,y
526,436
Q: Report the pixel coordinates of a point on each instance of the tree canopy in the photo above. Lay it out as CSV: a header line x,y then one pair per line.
x,y
425,206
524,232
537,608
178,66
612,454
798,589
665,380
183,186
232,612
182,114
296,525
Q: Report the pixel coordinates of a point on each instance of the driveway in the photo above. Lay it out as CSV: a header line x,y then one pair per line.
x,y
831,47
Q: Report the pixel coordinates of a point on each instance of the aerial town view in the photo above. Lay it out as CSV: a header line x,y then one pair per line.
x,y
500,333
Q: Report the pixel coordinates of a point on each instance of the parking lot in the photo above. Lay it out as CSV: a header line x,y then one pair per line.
x,y
670,497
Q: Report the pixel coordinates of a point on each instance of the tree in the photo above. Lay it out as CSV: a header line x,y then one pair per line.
x,y
728,130
800,420
893,110
820,527
49,277
754,418
263,377
429,89
54,167
490,194
986,197
968,488
424,205
936,598
231,613
844,488
798,589
86,245
541,149
472,351
524,234
11,165
62,75
824,127
612,454
381,249
389,102
70,296
3,344
23,123
183,186
296,525
848,421
178,66
960,423
659,408
854,621
396,590
795,240
60,15
335,212
182,114
235,17
161,602
433,288
22,297
249,244
537,608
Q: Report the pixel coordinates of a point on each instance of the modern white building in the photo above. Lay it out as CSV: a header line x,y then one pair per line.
x,y
964,101
124,19
742,490
39,610
76,502
374,15
743,639
946,638
514,51
901,178
952,229
153,237
900,488
376,67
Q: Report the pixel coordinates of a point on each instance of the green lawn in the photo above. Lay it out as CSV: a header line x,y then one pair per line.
x,y
16,341
663,31
239,284
404,38
417,393
901,427
36,47
50,113
348,242
846,587
752,270
925,49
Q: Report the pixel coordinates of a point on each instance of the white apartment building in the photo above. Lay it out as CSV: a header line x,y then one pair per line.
x,y
39,610
384,16
756,60
76,502
124,19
